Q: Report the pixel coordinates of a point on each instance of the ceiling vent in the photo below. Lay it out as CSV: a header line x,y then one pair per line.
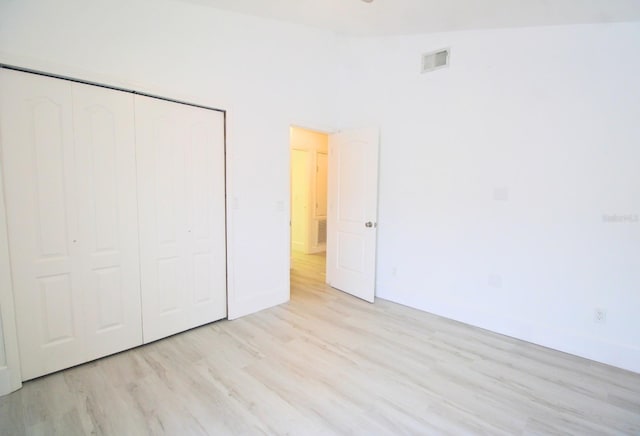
x,y
435,60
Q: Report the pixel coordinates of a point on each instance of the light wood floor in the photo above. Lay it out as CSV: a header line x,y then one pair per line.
x,y
328,363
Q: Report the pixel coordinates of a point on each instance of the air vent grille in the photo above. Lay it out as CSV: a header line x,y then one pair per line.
x,y
322,232
435,60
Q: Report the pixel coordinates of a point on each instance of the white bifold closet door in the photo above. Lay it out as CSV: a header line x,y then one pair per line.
x,y
68,156
181,182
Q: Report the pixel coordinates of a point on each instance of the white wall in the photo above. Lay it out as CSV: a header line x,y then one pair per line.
x,y
551,118
267,74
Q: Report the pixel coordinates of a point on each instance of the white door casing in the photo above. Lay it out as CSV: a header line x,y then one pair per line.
x,y
352,212
180,158
68,160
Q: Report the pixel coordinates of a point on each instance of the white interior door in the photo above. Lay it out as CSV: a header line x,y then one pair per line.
x,y
38,163
180,157
107,205
352,214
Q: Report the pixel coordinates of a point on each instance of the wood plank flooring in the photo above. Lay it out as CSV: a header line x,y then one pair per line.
x,y
328,363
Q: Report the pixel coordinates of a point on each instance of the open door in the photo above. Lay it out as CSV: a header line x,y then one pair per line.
x,y
352,214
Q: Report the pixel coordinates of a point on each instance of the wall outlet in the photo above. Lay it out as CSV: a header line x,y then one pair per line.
x,y
599,316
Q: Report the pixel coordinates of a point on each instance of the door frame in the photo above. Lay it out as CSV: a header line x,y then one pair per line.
x,y
323,131
328,132
309,244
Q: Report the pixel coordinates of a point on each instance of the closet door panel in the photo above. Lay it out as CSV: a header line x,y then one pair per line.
x,y
206,226
162,217
39,173
105,147
180,165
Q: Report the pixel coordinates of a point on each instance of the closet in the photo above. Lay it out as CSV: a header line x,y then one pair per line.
x,y
116,218
181,201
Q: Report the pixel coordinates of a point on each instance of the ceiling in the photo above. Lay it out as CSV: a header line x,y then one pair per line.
x,y
398,17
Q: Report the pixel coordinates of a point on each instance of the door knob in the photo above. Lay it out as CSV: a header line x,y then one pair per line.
x,y
368,224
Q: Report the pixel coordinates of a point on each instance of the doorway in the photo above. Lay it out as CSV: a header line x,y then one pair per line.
x,y
334,198
309,169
